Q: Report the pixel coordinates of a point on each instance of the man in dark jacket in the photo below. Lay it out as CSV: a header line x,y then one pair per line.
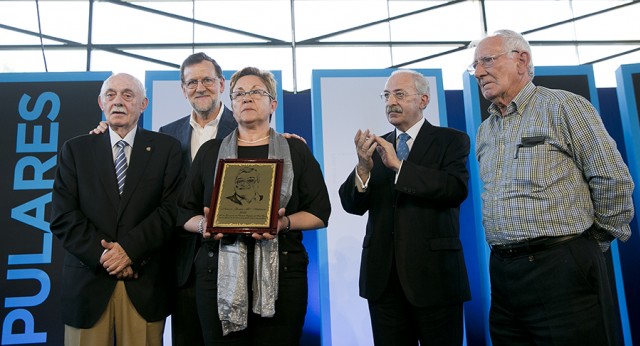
x,y
412,270
113,209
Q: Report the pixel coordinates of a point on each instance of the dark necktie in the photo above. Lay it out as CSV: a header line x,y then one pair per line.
x,y
402,149
121,164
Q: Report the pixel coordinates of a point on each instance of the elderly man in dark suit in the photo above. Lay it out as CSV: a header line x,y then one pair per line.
x,y
113,209
412,270
202,84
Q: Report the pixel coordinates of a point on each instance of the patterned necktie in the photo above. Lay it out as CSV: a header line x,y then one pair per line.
x,y
402,149
121,165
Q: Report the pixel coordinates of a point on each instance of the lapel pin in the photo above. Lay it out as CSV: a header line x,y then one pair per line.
x,y
148,148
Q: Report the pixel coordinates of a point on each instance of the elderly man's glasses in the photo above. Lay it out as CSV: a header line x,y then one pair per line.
x,y
486,61
399,95
254,94
206,82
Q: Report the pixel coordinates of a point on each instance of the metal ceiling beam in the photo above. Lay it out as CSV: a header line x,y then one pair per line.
x,y
317,39
588,15
195,21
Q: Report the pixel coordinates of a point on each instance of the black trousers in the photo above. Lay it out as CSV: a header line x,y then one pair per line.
x,y
559,296
284,328
185,323
396,322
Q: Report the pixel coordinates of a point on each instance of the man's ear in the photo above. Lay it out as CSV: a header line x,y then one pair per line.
x,y
424,101
184,90
222,86
523,59
145,103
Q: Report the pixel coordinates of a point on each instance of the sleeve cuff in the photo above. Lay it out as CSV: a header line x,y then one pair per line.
x,y
360,185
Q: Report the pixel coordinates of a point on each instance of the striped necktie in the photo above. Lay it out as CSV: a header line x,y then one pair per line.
x,y
402,149
121,165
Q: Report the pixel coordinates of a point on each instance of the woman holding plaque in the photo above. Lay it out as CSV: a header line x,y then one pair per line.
x,y
251,289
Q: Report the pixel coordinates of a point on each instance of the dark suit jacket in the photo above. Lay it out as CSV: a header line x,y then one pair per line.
x,y
181,130
415,220
187,242
86,207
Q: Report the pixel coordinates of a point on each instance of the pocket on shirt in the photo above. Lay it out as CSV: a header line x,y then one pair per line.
x,y
536,167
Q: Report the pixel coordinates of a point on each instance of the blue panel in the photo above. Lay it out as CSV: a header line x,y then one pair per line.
x,y
472,239
54,77
480,286
628,91
38,113
629,109
297,119
151,76
279,120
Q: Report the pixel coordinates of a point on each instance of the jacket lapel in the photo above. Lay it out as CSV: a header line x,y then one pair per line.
x,y
227,124
419,149
422,143
391,138
184,136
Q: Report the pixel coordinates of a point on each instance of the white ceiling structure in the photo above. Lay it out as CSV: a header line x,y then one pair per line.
x,y
298,36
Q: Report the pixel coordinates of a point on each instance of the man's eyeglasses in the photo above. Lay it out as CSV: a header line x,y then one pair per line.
x,y
399,95
486,61
254,94
206,82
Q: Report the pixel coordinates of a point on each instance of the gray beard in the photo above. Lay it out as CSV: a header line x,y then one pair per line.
x,y
206,113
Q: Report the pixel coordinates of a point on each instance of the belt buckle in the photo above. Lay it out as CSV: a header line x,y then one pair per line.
x,y
509,250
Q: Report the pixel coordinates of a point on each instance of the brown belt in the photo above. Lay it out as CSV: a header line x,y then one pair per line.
x,y
531,246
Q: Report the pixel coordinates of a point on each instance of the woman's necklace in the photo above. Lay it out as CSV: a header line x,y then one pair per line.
x,y
252,142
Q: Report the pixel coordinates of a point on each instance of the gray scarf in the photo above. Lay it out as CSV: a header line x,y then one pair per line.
x,y
232,259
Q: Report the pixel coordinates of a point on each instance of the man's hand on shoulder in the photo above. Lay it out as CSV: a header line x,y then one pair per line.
x,y
101,128
293,135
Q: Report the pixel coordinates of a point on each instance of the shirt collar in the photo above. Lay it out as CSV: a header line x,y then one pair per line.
x,y
413,130
115,138
518,103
